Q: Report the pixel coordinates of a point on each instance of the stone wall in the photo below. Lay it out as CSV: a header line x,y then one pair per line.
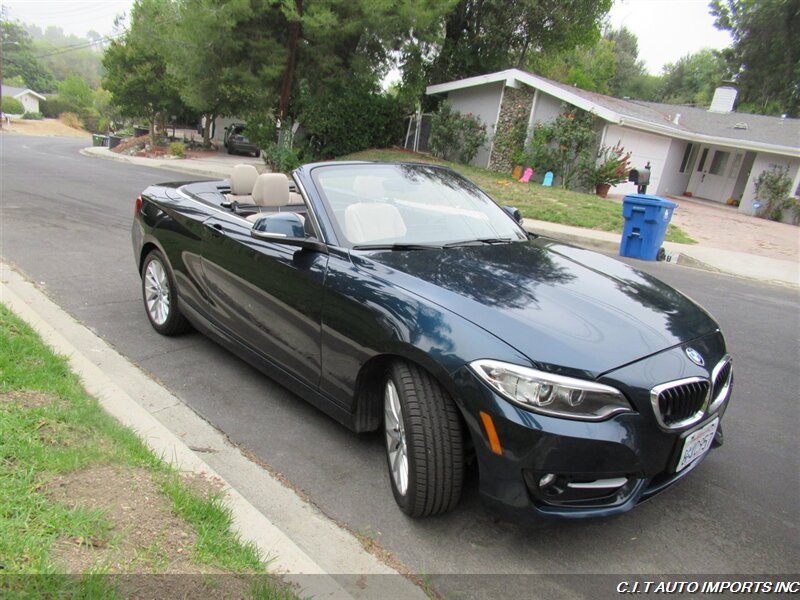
x,y
515,110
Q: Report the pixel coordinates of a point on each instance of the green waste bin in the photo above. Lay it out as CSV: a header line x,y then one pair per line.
x,y
99,139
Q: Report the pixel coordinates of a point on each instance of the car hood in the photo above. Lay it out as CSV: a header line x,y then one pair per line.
x,y
561,306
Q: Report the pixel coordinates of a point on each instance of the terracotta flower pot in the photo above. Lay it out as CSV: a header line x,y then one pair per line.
x,y
602,189
516,173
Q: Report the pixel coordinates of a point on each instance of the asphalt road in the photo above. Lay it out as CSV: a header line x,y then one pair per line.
x,y
65,222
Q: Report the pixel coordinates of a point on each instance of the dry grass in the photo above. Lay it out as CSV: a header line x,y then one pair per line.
x,y
45,127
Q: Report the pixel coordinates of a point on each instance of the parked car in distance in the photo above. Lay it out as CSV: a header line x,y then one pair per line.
x,y
235,140
399,297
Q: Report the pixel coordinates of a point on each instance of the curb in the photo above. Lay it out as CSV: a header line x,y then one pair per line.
x,y
106,154
134,399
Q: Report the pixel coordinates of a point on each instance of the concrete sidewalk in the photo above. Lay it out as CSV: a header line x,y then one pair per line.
x,y
728,242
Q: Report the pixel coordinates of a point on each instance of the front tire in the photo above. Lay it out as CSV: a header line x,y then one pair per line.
x,y
424,442
160,296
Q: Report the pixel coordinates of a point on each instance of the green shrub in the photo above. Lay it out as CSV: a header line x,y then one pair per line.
x,y
177,149
772,188
565,146
456,136
33,116
12,106
348,117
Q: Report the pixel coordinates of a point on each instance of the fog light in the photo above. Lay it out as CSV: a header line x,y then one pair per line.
x,y
547,480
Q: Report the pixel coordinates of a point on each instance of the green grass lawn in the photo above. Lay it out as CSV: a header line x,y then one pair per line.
x,y
65,467
552,204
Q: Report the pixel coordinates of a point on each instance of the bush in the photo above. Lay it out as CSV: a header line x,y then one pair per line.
x,y
12,106
564,146
53,107
71,120
33,116
455,136
177,149
348,117
772,188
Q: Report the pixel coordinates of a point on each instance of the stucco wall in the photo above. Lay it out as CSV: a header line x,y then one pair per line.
x,y
764,162
673,182
483,101
643,147
516,109
30,103
547,108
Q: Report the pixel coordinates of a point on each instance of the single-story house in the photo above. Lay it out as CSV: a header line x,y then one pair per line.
x,y
714,154
28,98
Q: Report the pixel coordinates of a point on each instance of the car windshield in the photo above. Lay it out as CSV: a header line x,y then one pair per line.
x,y
410,206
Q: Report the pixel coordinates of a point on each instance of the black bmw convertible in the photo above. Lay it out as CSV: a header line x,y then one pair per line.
x,y
400,297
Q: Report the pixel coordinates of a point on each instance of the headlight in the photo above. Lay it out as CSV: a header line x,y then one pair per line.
x,y
552,394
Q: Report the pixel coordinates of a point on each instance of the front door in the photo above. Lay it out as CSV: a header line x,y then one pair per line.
x,y
710,173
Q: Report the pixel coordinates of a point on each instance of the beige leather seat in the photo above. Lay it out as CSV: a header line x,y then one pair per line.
x,y
368,222
243,178
271,190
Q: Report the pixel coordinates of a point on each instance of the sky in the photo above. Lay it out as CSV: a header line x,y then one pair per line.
x,y
667,29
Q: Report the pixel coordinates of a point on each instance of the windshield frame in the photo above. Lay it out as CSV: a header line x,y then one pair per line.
x,y
338,230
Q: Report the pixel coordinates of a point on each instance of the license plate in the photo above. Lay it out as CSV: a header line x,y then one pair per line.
x,y
697,444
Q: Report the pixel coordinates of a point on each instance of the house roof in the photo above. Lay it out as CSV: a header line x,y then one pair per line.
x,y
15,92
741,130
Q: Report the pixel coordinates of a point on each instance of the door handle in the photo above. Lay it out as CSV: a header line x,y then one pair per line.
x,y
217,229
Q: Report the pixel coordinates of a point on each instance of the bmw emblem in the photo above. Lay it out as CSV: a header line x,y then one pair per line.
x,y
695,356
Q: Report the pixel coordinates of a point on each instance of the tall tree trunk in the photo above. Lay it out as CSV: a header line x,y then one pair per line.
x,y
209,122
291,46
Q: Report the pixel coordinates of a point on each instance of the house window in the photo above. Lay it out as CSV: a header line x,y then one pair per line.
x,y
703,158
689,155
718,162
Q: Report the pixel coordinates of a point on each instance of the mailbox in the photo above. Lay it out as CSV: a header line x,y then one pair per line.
x,y
639,176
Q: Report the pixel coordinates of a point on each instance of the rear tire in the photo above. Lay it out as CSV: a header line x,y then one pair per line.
x,y
424,443
160,296
258,153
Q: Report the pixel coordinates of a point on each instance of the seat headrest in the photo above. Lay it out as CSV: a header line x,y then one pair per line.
x,y
373,221
271,189
243,177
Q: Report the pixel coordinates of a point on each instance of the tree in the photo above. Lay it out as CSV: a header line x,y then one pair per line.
x,y
20,60
76,94
693,78
765,55
136,68
482,36
65,54
227,56
629,69
590,68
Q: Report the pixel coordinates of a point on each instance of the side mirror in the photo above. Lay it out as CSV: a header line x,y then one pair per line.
x,y
285,228
514,213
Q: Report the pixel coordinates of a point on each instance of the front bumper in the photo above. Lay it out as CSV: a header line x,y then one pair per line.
x,y
590,469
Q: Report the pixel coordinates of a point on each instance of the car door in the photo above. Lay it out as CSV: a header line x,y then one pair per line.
x,y
266,295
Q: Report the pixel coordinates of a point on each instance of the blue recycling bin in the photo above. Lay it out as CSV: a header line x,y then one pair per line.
x,y
646,220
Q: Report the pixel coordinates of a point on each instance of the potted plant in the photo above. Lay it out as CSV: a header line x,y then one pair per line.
x,y
610,168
